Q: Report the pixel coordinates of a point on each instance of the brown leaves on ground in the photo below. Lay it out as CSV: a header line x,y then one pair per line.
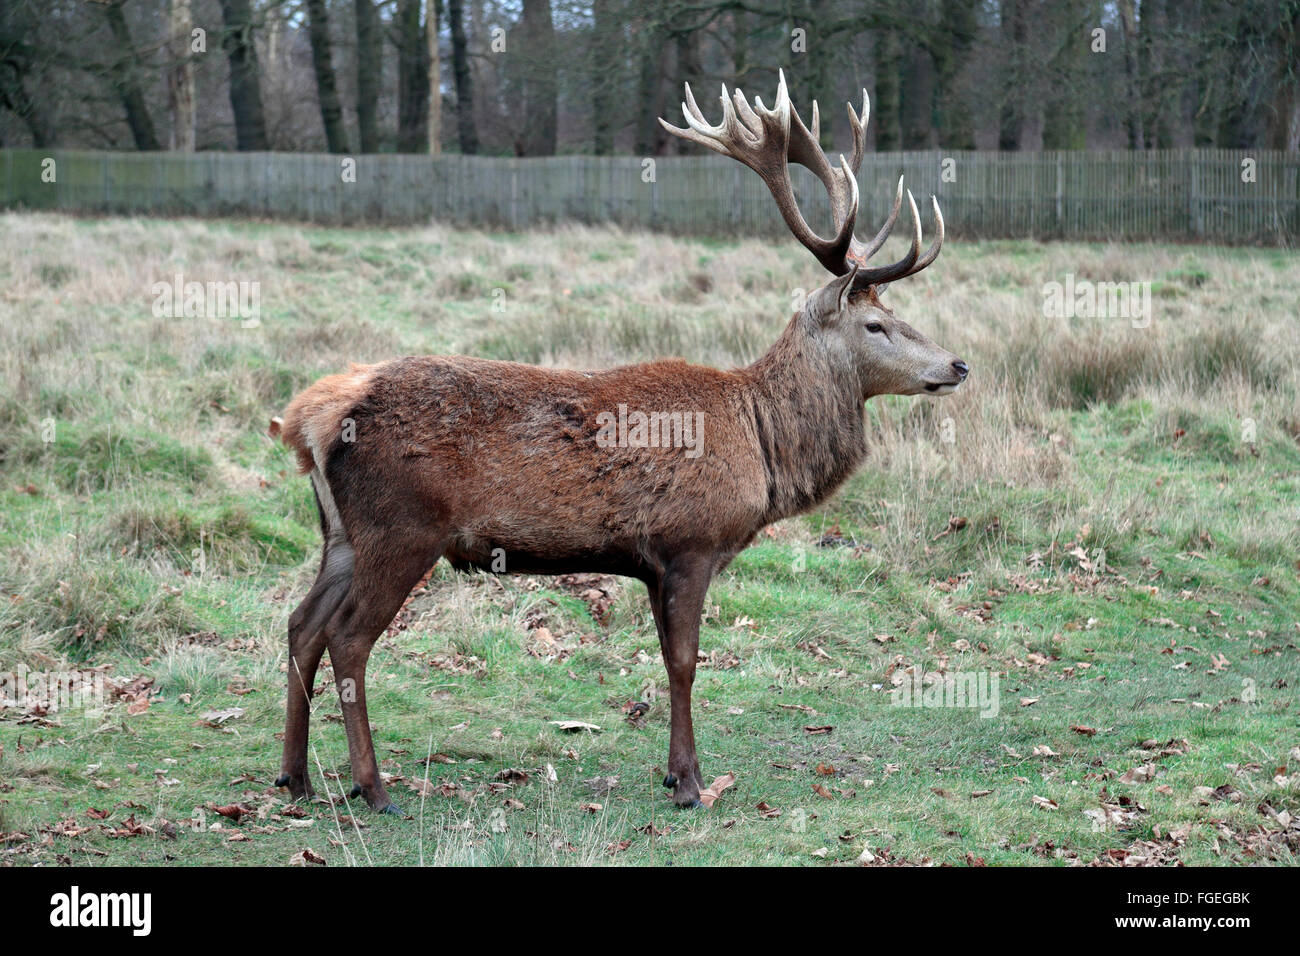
x,y
232,811
955,524
714,790
137,692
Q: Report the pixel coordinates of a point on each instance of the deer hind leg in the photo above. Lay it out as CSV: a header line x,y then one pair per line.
x,y
306,645
677,600
376,595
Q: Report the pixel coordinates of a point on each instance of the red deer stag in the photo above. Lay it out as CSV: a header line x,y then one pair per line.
x,y
420,458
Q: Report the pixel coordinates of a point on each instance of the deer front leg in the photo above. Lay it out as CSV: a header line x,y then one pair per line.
x,y
677,600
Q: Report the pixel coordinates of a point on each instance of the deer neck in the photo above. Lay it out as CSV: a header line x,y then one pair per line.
x,y
809,419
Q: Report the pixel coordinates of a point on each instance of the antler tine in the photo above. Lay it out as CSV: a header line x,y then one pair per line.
x,y
859,127
933,252
698,130
872,247
747,114
904,266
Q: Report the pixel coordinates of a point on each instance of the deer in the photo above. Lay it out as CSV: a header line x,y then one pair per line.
x,y
421,458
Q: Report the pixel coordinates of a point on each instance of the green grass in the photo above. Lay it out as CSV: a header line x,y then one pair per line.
x,y
1126,568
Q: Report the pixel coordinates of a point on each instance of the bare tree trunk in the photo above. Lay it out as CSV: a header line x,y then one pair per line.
x,y
465,127
412,79
432,22
820,75
1011,124
1285,132
245,95
953,40
331,113
1064,125
180,78
369,65
885,104
126,79
14,96
1133,75
1157,89
917,100
650,138
688,71
739,47
538,130
606,43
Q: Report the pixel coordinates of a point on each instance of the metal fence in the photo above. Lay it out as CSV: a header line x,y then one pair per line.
x,y
1173,194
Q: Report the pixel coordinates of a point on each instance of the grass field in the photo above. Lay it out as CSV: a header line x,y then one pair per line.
x,y
1106,518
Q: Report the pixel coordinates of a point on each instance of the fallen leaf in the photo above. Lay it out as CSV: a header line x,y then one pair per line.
x,y
714,790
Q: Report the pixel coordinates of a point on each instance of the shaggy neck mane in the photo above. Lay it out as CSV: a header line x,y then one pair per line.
x,y
809,418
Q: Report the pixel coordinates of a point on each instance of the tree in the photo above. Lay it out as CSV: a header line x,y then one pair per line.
x,y
180,78
1284,111
369,65
412,79
245,94
433,20
124,72
331,113
1064,120
605,56
465,128
650,136
954,37
1014,29
535,83
885,104
1133,76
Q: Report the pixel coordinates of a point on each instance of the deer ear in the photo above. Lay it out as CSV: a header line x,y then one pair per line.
x,y
833,298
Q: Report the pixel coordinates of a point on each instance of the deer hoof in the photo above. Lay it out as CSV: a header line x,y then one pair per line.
x,y
670,781
356,792
394,809
282,780
693,805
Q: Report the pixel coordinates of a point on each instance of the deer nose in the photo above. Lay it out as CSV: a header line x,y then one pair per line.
x,y
961,368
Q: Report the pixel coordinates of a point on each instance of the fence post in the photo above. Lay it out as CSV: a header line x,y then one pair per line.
x,y
514,194
1060,195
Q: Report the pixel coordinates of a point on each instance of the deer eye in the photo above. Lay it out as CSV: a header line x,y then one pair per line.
x,y
875,327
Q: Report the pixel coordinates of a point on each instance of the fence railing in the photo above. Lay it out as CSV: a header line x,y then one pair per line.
x,y
1179,194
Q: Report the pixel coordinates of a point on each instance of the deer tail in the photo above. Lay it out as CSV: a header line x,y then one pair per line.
x,y
313,423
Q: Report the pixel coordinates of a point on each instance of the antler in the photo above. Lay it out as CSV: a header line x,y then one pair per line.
x,y
768,140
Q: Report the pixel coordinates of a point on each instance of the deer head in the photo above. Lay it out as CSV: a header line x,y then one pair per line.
x,y
844,318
